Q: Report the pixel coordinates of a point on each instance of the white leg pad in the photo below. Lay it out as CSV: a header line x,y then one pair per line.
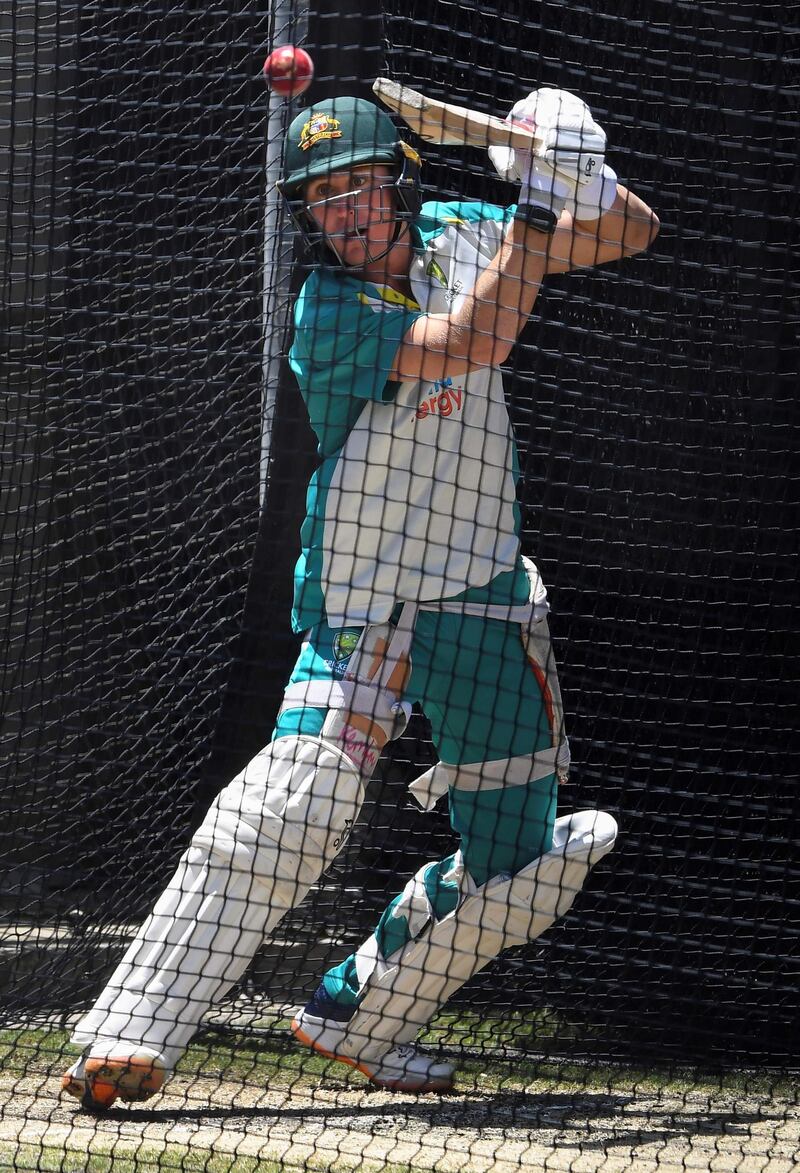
x,y
266,839
405,991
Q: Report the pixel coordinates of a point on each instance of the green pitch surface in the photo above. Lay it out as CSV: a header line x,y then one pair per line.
x,y
262,1105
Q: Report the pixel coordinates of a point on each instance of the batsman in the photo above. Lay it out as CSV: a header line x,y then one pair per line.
x,y
411,587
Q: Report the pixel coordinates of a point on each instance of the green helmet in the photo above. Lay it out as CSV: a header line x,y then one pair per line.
x,y
334,135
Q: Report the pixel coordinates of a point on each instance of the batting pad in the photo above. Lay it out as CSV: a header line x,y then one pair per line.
x,y
405,991
266,839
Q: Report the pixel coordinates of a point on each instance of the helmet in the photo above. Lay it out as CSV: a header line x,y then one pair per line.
x,y
337,134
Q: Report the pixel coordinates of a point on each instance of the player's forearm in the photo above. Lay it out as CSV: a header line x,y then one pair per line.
x,y
628,227
504,295
630,222
487,323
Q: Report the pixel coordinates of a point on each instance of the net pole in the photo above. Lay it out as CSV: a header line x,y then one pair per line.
x,y
288,27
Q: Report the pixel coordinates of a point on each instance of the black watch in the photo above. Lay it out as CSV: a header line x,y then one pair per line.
x,y
537,216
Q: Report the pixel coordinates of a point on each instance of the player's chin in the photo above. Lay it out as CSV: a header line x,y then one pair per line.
x,y
351,250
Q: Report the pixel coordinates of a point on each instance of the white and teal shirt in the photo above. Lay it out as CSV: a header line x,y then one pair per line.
x,y
415,497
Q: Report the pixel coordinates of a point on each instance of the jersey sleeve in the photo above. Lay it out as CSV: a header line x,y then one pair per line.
x,y
346,341
482,223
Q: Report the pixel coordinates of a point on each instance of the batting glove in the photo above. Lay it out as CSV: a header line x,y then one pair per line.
x,y
572,140
538,182
573,143
595,198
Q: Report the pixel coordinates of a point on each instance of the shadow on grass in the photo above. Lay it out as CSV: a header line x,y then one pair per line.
x,y
591,1121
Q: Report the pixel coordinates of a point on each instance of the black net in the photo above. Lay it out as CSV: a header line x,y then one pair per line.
x,y
653,403
156,453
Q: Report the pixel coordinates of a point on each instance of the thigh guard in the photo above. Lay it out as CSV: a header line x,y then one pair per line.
x,y
364,707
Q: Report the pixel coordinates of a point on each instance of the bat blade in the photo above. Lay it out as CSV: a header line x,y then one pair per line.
x,y
449,125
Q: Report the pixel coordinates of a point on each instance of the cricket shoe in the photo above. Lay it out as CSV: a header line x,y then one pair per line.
x,y
97,1081
402,1069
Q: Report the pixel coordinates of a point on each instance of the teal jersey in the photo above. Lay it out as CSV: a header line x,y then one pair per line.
x,y
415,498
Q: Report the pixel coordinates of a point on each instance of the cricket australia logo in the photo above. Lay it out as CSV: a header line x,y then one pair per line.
x,y
344,644
318,129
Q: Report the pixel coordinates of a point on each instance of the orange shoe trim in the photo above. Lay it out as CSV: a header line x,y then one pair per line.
x,y
132,1078
433,1085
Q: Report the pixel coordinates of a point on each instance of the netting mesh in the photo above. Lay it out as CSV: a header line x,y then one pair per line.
x,y
147,596
653,405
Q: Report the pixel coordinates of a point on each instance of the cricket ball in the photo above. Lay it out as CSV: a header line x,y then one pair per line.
x,y
288,71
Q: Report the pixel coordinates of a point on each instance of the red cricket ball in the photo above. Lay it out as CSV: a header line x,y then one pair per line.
x,y
288,71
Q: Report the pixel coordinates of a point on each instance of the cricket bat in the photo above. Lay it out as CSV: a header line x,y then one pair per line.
x,y
450,125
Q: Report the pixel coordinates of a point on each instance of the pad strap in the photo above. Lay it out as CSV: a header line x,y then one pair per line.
x,y
435,782
352,696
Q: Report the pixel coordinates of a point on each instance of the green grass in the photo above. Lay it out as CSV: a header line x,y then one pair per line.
x,y
281,1065
171,1158
465,1029
41,1054
141,1159
261,1061
516,1031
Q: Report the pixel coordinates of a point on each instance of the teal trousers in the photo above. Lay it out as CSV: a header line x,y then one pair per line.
x,y
472,678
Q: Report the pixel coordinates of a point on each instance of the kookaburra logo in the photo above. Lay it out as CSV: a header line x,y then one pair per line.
x,y
435,270
348,826
591,163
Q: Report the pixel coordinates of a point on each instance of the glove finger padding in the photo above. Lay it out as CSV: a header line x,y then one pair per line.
x,y
506,162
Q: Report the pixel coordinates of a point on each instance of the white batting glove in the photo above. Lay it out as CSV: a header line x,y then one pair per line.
x,y
593,199
538,182
572,140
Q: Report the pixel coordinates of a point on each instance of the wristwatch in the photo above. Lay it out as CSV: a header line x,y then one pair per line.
x,y
537,216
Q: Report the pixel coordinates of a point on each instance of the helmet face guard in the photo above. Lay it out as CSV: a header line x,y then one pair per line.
x,y
338,136
405,185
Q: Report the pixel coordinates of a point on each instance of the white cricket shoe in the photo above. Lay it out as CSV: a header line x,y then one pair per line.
x,y
403,1069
